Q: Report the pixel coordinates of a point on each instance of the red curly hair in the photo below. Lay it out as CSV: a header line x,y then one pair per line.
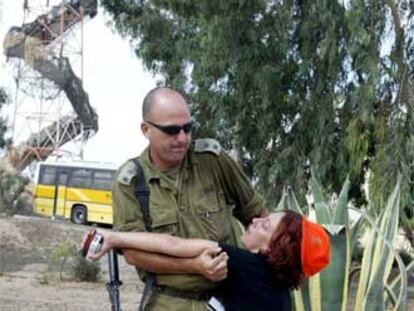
x,y
284,254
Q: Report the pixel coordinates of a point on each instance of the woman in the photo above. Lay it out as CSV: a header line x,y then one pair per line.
x,y
280,251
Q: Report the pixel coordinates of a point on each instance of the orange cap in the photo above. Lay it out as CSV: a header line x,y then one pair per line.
x,y
315,249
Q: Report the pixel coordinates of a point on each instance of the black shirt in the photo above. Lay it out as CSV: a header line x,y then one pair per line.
x,y
250,284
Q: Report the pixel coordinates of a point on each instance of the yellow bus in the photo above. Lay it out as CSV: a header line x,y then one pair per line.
x,y
79,191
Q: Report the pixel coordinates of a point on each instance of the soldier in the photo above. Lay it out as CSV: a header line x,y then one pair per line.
x,y
196,191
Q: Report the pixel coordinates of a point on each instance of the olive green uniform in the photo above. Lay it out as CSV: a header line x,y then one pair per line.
x,y
197,200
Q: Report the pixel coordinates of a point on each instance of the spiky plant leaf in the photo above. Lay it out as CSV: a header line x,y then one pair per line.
x,y
321,208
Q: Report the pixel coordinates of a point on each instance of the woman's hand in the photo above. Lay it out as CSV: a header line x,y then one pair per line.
x,y
212,264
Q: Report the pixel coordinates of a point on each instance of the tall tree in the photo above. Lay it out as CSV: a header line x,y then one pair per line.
x,y
12,184
3,122
291,84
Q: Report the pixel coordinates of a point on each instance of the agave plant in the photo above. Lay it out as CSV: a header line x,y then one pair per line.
x,y
329,290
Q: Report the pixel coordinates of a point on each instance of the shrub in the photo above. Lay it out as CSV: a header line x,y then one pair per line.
x,y
85,270
65,259
59,258
13,197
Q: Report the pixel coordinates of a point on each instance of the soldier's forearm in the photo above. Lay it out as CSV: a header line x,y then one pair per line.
x,y
157,263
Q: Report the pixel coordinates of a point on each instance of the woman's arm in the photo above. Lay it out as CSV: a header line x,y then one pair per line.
x,y
153,243
162,253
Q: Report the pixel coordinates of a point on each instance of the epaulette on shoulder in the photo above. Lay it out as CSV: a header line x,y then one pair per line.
x,y
126,173
207,145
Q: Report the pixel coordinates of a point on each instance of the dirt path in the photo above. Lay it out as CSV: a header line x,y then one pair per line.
x,y
25,246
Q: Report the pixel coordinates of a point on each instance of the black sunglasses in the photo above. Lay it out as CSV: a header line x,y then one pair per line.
x,y
173,129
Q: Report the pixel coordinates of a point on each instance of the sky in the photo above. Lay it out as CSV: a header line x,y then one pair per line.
x,y
113,77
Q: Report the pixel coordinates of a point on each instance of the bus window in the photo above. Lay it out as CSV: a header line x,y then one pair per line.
x,y
47,175
63,178
102,180
81,178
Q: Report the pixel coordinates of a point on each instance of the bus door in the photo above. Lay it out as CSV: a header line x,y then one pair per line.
x,y
59,198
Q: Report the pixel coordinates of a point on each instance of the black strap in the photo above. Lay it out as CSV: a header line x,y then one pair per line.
x,y
202,295
142,194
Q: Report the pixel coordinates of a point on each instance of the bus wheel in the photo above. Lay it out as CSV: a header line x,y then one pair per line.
x,y
79,215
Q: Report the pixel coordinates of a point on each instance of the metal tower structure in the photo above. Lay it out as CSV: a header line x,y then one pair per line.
x,y
51,107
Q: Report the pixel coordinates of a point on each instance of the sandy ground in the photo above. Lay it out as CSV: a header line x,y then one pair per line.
x,y
25,247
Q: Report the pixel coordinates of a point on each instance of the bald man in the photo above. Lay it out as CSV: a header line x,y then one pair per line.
x,y
196,191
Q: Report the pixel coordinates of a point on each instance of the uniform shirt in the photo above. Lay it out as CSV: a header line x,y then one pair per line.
x,y
250,284
196,201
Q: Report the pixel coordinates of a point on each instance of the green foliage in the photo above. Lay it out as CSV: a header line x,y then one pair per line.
x,y
3,263
288,83
376,286
85,270
13,198
65,259
3,123
59,258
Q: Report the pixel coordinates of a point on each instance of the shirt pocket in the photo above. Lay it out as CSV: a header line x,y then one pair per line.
x,y
164,219
214,214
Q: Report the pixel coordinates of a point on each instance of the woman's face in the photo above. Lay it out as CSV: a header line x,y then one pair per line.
x,y
259,233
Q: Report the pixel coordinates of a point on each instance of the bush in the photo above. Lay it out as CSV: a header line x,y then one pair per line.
x,y
65,259
13,197
59,261
85,270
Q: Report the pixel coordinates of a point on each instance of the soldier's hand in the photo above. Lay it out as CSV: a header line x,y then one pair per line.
x,y
213,265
